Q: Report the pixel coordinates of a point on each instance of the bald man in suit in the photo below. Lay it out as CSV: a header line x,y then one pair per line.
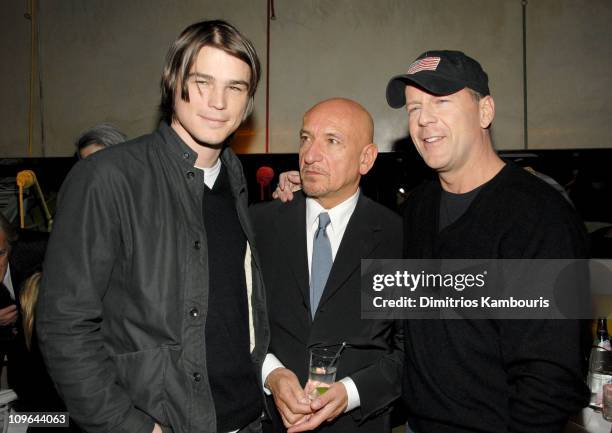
x,y
336,149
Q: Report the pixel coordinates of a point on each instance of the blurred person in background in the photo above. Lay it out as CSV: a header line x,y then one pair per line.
x,y
35,390
97,138
21,254
9,315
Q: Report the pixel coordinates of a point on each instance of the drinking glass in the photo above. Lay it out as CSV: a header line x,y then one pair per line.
x,y
322,370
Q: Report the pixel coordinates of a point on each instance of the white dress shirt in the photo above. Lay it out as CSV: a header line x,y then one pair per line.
x,y
8,282
339,217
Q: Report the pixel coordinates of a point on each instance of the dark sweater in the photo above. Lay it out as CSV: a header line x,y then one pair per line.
x,y
494,375
231,372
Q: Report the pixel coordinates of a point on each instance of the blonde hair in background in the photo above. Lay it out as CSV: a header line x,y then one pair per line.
x,y
28,298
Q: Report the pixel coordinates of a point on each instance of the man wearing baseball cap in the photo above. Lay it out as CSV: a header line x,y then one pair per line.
x,y
482,375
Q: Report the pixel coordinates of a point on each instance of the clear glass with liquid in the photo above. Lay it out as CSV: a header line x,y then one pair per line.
x,y
322,371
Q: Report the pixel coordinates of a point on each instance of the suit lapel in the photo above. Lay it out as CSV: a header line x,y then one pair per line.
x,y
291,230
361,237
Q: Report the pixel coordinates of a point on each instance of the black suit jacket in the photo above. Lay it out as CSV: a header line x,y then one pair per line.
x,y
374,356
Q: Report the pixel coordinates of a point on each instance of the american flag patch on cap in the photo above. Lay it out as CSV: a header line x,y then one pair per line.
x,y
424,64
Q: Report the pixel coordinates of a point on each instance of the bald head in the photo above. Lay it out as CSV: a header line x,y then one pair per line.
x,y
352,112
336,149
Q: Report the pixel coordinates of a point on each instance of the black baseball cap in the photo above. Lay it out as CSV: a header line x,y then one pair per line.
x,y
439,73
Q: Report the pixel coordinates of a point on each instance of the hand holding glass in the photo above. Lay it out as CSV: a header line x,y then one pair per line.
x,y
322,371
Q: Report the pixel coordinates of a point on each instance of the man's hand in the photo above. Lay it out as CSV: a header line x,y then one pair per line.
x,y
291,400
288,183
8,315
326,407
157,429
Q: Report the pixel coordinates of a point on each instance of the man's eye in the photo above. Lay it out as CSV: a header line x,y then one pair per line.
x,y
333,140
236,88
201,82
413,109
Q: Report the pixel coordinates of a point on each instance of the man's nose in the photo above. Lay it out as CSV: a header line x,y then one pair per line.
x,y
312,152
216,97
426,115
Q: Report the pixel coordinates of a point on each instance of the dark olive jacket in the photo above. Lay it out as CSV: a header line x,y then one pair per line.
x,y
124,297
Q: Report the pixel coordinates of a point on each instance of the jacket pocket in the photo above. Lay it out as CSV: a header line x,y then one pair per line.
x,y
142,375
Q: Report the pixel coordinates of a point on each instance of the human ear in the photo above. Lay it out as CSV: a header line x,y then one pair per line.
x,y
486,108
367,158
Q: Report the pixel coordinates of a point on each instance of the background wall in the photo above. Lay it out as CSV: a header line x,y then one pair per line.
x,y
569,75
100,61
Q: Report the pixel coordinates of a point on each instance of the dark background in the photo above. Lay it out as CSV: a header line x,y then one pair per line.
x,y
585,175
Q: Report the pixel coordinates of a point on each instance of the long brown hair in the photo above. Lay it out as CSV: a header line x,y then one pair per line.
x,y
184,51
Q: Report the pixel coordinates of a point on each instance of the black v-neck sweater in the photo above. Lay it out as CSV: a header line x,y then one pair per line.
x,y
231,372
494,375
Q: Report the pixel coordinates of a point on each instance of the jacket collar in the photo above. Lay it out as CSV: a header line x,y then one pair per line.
x,y
291,223
179,149
175,145
362,236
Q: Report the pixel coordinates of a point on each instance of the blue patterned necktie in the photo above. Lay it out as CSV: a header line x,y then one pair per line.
x,y
321,262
